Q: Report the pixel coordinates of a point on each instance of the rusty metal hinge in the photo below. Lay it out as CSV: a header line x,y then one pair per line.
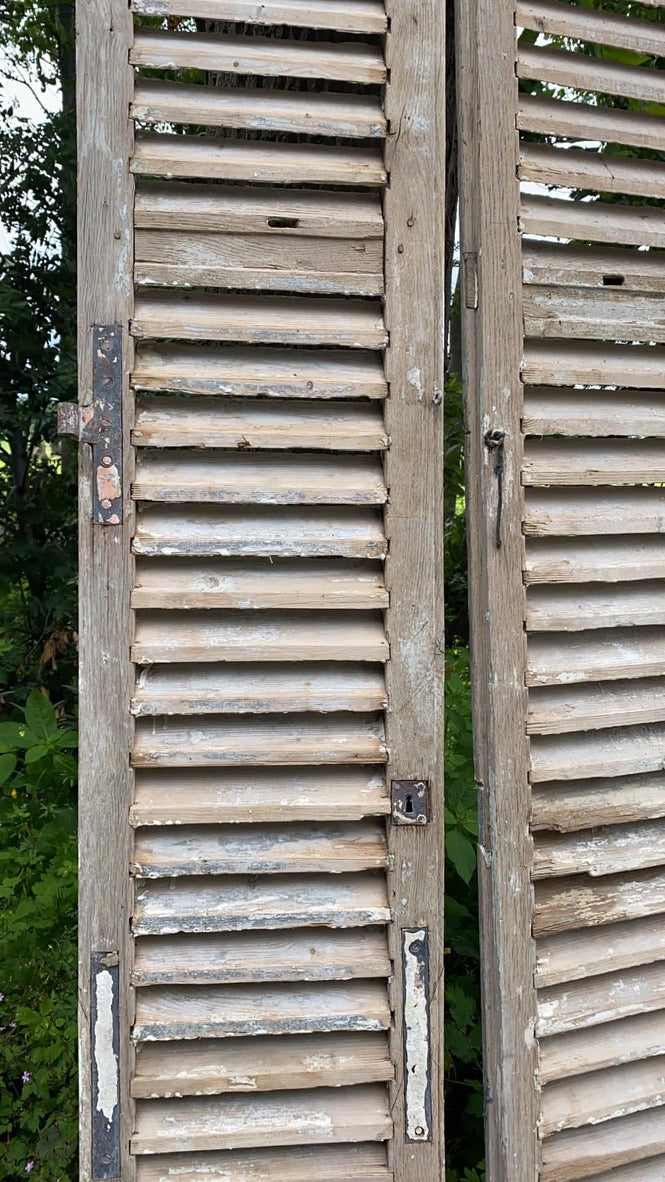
x,y
410,802
101,424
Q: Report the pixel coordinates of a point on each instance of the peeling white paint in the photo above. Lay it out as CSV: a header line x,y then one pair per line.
x,y
416,1038
106,1061
415,380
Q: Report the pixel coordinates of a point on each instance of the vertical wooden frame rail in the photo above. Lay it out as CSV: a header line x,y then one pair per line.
x,y
105,248
492,329
414,214
262,628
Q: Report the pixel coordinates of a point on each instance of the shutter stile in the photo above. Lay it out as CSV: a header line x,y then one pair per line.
x,y
584,445
264,973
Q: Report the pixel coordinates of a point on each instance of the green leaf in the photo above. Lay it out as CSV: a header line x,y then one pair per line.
x,y
7,765
40,715
33,754
12,736
462,853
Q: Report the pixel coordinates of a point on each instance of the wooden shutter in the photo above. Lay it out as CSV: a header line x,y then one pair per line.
x,y
261,636
563,295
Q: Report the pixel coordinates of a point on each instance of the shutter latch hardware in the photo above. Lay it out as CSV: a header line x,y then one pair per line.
x,y
101,424
410,804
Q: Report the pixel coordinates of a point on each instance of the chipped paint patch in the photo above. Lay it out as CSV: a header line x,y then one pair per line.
x,y
105,1058
105,1036
417,1086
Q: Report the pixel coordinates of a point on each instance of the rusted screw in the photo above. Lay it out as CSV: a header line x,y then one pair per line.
x,y
107,461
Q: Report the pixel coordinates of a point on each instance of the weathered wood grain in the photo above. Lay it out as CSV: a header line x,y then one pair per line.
x,y
583,121
581,72
588,169
354,1163
572,609
260,903
414,310
209,1068
568,363
574,265
585,803
208,742
313,954
608,850
638,225
600,999
265,637
573,956
562,709
621,752
235,423
211,371
105,198
355,324
582,1153
581,902
169,1013
236,209
347,16
257,849
237,532
263,56
354,116
594,560
595,413
270,163
585,513
615,1092
627,1040
234,478
603,27
302,794
602,654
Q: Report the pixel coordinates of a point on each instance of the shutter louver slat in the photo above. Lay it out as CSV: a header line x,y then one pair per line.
x,y
347,16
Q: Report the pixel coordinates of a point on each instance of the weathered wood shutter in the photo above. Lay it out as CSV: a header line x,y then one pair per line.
x,y
261,260
564,315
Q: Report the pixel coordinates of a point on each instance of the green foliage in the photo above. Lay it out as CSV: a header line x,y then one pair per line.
x,y
38,1112
463,1039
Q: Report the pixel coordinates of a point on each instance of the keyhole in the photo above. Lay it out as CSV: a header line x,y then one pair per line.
x,y
408,805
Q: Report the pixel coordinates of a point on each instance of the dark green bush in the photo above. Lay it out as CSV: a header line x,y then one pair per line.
x,y
38,1092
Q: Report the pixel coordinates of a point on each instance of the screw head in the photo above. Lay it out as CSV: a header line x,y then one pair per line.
x,y
107,461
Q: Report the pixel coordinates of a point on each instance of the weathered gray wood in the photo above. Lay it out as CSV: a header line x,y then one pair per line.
x,y
260,903
596,413
572,609
624,1041
347,16
240,160
582,72
260,1064
323,1115
561,709
304,794
491,364
353,1163
600,851
200,369
602,654
267,478
570,167
345,116
414,310
257,849
601,999
594,560
166,1013
585,266
268,320
572,956
263,56
589,1099
566,363
581,902
586,803
621,752
187,584
315,954
582,121
639,225
104,82
582,1153
603,27
234,531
